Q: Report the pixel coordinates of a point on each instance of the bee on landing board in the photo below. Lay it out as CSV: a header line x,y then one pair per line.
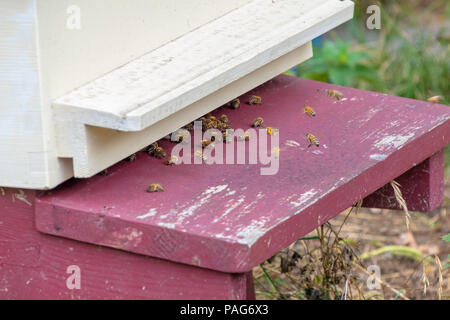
x,y
155,188
255,100
335,94
234,104
435,99
132,158
207,144
258,122
224,118
309,111
312,139
172,160
156,151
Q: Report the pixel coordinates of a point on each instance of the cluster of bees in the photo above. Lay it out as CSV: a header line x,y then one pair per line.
x,y
222,124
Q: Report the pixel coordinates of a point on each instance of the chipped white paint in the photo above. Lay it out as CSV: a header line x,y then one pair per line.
x,y
185,212
150,214
251,233
305,197
127,236
229,208
292,143
393,141
378,157
167,225
215,190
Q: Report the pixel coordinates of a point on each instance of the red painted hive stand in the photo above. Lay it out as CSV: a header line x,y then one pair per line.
x,y
201,238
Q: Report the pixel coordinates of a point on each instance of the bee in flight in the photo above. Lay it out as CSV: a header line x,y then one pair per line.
x,y
335,94
436,99
309,111
155,188
312,139
255,100
258,122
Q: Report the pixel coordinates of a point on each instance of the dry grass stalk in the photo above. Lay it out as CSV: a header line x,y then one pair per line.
x,y
441,279
425,281
401,201
2,191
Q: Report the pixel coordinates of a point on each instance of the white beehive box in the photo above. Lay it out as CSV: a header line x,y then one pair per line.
x,y
86,83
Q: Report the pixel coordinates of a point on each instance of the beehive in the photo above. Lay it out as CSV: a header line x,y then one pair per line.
x,y
84,84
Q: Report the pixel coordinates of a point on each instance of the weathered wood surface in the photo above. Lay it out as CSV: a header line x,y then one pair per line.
x,y
34,266
229,217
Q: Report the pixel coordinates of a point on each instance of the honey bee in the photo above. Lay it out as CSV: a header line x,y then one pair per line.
x,y
258,122
436,99
309,111
151,148
224,118
212,124
234,104
159,153
335,94
155,188
223,126
312,140
132,158
156,151
172,160
189,126
212,118
272,131
255,100
206,143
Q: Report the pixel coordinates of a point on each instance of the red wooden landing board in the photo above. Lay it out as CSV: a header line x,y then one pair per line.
x,y
229,217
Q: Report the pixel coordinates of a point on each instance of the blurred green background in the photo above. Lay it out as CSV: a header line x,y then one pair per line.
x,y
408,57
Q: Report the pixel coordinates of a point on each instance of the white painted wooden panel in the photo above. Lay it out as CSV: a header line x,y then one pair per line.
x,y
41,59
176,75
215,50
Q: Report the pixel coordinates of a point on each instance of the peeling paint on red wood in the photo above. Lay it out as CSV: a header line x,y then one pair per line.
x,y
33,266
422,188
229,217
